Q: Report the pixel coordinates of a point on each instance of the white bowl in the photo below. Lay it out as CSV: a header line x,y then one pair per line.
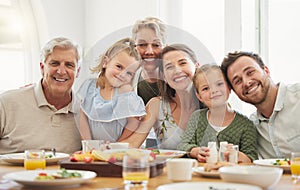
x,y
265,177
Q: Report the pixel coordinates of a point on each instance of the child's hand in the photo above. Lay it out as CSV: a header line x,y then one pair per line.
x,y
200,153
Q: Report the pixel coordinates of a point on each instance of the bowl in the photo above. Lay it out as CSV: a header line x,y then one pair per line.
x,y
265,177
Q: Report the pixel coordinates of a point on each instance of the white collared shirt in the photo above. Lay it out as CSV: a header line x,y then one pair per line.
x,y
279,135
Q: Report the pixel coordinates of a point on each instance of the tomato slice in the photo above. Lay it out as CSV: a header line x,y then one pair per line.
x,y
42,174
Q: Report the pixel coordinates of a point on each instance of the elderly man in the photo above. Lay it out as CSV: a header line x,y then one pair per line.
x,y
41,116
278,105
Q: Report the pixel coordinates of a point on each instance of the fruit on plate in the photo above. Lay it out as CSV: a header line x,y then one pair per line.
x,y
117,156
100,155
112,157
81,157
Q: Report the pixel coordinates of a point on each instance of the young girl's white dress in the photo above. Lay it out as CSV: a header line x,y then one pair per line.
x,y
107,118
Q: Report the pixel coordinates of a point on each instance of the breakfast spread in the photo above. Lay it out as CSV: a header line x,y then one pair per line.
x,y
108,156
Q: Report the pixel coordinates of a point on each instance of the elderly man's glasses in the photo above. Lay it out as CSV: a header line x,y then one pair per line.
x,y
144,46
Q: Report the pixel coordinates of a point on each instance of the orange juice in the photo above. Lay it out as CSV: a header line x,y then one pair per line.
x,y
33,164
295,168
136,169
295,165
34,159
136,176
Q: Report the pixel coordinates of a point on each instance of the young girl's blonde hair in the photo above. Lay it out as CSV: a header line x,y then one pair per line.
x,y
123,45
202,70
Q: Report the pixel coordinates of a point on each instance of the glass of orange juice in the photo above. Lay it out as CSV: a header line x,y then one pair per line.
x,y
136,170
295,166
34,159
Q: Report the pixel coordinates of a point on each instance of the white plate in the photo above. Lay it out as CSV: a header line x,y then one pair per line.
x,y
200,170
207,185
170,153
18,158
270,162
28,178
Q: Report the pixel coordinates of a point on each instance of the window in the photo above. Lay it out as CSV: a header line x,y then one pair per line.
x,y
205,20
283,39
12,64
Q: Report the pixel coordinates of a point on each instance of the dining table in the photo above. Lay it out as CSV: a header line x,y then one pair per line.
x,y
107,183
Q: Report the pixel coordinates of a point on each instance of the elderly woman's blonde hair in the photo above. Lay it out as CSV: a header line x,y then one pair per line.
x,y
151,23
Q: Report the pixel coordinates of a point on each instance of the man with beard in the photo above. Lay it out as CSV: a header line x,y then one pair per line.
x,y
278,105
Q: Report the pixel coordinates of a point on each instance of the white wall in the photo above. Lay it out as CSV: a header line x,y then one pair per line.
x,y
60,18
102,17
96,24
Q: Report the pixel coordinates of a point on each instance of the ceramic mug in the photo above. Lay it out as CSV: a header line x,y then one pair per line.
x,y
180,169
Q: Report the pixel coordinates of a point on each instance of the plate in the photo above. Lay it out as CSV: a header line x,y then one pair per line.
x,y
207,186
269,162
28,178
200,170
18,158
164,153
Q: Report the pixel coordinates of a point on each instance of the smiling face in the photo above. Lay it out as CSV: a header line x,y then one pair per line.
x,y
249,81
120,69
178,69
212,89
59,72
149,45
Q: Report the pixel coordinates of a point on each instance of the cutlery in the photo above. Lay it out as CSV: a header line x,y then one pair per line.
x,y
53,150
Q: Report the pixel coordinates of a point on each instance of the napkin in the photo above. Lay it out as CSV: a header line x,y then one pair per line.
x,y
9,185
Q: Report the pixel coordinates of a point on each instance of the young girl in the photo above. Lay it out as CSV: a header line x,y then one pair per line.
x,y
110,109
217,122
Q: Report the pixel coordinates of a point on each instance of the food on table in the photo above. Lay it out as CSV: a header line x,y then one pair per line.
x,y
282,162
214,167
112,157
100,155
157,152
63,174
82,157
49,156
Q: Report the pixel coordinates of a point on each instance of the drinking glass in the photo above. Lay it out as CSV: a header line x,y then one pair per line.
x,y
136,170
233,154
89,145
34,159
295,166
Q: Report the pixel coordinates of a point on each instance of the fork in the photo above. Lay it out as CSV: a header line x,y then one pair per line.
x,y
53,150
